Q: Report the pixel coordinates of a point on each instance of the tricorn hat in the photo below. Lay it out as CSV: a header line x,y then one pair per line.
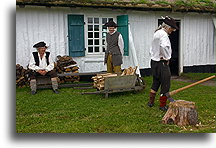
x,y
170,21
110,23
40,44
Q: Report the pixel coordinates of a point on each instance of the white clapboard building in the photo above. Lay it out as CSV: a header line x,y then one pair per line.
x,y
75,28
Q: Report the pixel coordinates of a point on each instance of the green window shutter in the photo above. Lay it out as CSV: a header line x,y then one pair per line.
x,y
122,22
76,35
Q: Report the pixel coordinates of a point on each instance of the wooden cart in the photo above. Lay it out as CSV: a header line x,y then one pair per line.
x,y
120,84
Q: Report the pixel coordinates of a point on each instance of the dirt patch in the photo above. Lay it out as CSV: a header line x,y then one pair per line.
x,y
184,79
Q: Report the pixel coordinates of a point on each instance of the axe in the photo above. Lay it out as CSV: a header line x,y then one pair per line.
x,y
186,87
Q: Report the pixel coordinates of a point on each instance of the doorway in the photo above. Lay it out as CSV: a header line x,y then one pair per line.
x,y
175,40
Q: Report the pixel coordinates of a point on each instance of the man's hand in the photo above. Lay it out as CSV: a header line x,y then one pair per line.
x,y
42,72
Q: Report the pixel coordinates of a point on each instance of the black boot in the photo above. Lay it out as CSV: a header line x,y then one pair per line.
x,y
151,99
56,91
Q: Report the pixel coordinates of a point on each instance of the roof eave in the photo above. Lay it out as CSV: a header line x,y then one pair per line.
x,y
140,7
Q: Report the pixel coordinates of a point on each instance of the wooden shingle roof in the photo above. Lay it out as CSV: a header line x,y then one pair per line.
x,y
144,5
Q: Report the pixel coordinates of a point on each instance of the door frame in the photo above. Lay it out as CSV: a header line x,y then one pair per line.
x,y
180,52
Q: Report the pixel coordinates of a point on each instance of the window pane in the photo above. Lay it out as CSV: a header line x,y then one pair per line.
x,y
104,20
96,20
90,20
96,27
103,49
104,34
90,42
90,49
90,34
103,42
104,28
90,27
96,49
96,42
96,35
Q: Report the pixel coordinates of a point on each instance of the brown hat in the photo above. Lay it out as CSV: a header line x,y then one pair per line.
x,y
170,21
110,23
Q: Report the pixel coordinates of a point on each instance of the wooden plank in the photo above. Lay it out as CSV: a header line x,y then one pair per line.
x,y
43,80
79,74
66,85
76,85
94,92
84,87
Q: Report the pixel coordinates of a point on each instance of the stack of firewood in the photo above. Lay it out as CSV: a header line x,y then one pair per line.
x,y
21,76
99,80
129,71
66,64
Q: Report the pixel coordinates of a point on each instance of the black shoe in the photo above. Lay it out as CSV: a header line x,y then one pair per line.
x,y
171,99
150,104
164,108
56,91
33,92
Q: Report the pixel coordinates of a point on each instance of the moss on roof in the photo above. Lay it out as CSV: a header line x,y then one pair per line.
x,y
172,5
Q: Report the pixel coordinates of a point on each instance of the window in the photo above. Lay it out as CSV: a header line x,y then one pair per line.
x,y
96,34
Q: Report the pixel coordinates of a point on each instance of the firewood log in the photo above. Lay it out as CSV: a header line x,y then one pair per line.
x,y
129,71
181,113
98,80
67,64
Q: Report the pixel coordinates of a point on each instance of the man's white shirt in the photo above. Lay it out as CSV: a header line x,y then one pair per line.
x,y
42,63
161,46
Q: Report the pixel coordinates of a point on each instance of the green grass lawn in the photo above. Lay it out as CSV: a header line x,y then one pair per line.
x,y
71,112
198,76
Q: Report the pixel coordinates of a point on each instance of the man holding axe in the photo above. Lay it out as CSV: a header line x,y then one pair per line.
x,y
160,53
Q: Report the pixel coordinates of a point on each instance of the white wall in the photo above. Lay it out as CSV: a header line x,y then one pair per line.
x,y
198,41
34,24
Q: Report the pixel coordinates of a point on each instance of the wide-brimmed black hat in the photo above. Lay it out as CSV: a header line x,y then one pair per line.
x,y
170,21
40,44
110,23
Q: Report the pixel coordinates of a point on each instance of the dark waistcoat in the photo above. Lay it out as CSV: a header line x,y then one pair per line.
x,y
113,48
36,58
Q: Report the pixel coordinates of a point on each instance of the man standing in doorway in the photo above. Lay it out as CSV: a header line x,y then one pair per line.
x,y
160,53
114,45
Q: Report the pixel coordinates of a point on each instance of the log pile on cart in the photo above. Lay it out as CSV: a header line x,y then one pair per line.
x,y
66,64
21,76
98,80
109,83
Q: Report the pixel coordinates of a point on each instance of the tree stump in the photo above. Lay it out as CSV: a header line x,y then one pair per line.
x,y
181,113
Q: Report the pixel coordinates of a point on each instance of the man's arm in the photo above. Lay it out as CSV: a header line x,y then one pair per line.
x,y
165,47
51,64
121,44
32,63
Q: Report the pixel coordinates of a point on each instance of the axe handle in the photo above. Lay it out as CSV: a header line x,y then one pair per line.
x,y
191,85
